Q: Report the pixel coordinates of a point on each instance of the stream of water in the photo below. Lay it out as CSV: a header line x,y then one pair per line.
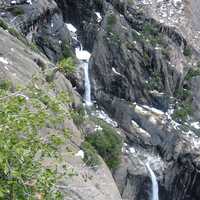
x,y
154,183
83,57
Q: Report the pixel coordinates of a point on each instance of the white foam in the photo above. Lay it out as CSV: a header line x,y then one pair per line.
x,y
132,150
4,60
154,110
80,153
114,70
196,125
98,16
71,28
82,54
29,2
102,115
13,2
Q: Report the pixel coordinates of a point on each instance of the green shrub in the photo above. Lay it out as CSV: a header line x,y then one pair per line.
x,y
187,52
192,73
149,29
98,4
151,33
5,84
130,2
3,24
78,115
182,112
22,174
183,94
66,50
198,64
67,65
34,47
155,82
18,35
108,144
90,155
111,21
17,11
49,77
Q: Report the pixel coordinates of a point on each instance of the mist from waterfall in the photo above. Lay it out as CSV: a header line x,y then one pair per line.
x,y
154,183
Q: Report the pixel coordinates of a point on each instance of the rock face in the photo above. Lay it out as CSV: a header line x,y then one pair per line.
x,y
23,67
144,72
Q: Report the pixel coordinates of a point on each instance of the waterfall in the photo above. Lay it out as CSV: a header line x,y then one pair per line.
x,y
83,57
154,183
87,85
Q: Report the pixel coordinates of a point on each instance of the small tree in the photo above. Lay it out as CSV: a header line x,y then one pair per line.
x,y
67,65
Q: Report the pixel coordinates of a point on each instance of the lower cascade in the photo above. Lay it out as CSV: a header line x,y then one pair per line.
x,y
154,183
88,100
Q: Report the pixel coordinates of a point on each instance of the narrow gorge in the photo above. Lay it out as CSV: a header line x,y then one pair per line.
x,y
99,100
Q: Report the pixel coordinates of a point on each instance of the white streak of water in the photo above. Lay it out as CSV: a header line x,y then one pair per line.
x,y
154,183
88,100
84,57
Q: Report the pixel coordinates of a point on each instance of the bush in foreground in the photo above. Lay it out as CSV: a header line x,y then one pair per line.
x,y
108,144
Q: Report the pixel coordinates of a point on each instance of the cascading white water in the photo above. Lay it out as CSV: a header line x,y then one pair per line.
x,y
88,100
154,183
84,57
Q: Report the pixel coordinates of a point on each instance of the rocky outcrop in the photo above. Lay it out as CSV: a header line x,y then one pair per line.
x,y
42,23
24,67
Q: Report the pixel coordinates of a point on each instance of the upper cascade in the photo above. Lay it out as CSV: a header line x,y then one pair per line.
x,y
84,57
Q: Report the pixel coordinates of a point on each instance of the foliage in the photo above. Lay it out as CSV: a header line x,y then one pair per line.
x,y
130,2
198,64
33,46
98,4
78,115
49,77
66,50
108,144
182,112
16,11
18,35
155,82
183,94
5,84
149,29
23,39
192,73
90,155
22,175
3,24
111,21
187,51
67,65
151,33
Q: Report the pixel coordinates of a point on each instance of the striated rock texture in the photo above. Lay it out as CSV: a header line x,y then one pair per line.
x,y
144,72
